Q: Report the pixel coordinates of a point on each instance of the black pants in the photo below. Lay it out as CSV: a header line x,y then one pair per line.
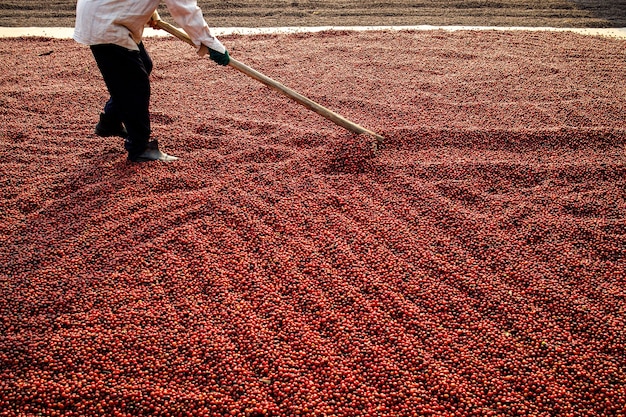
x,y
126,75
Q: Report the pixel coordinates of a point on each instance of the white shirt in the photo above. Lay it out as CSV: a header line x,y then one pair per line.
x,y
121,22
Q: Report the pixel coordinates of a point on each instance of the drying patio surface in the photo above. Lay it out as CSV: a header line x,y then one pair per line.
x,y
473,266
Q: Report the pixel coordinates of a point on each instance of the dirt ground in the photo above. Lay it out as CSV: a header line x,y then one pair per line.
x,y
262,13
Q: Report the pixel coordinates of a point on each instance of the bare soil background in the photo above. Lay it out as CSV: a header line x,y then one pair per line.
x,y
262,13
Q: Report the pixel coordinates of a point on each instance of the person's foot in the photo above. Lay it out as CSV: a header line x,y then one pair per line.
x,y
152,153
107,127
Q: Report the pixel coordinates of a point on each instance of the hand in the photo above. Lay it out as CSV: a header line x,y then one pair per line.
x,y
154,19
221,59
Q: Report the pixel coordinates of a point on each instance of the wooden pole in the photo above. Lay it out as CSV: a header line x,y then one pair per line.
x,y
310,104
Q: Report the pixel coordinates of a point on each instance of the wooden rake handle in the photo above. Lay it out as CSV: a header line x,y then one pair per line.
x,y
156,22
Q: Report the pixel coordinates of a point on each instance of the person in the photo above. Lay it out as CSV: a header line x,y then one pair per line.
x,y
113,29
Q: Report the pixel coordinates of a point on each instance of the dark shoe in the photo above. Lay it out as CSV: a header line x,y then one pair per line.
x,y
107,127
152,153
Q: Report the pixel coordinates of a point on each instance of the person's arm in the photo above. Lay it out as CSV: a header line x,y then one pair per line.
x,y
188,16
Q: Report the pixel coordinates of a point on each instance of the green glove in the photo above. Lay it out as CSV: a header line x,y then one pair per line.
x,y
221,59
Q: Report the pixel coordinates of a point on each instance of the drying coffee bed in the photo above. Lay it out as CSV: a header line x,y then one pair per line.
x,y
475,266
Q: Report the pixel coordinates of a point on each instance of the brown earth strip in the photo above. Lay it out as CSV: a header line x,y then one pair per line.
x,y
259,13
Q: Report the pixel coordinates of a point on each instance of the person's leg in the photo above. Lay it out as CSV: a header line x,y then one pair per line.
x,y
110,123
126,76
145,58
